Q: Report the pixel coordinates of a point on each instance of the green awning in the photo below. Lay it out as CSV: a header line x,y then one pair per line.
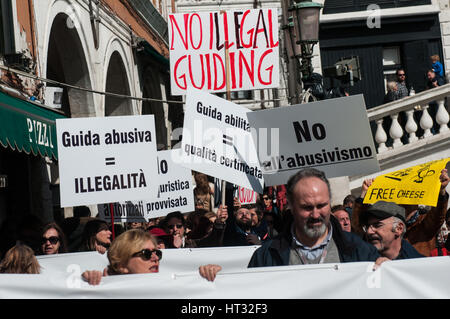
x,y
27,127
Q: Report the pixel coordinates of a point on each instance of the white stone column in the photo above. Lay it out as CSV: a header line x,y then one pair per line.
x,y
426,122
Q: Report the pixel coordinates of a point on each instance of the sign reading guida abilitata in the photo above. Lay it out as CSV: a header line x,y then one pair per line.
x,y
106,159
217,140
175,193
199,44
330,135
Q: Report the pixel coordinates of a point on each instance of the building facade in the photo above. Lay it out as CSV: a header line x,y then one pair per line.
x,y
78,49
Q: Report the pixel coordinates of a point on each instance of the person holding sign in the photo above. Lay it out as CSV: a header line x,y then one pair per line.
x,y
313,235
421,225
243,228
204,232
133,252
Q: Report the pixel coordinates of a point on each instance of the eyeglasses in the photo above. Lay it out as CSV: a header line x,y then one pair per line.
x,y
374,226
53,240
146,254
177,225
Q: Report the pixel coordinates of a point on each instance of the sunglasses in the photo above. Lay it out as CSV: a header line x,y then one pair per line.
x,y
146,254
173,226
401,74
53,240
265,198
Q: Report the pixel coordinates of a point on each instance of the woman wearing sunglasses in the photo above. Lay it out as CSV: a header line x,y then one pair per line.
x,y
134,252
53,240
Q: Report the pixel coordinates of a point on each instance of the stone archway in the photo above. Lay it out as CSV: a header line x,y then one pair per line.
x,y
66,62
117,82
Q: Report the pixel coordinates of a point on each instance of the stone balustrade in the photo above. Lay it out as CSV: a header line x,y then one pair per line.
x,y
408,132
423,116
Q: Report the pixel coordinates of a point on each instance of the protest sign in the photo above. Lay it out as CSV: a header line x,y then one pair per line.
x,y
410,186
175,193
201,44
106,159
247,196
331,135
217,141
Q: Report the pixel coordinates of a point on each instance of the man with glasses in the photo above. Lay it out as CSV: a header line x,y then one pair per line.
x,y
421,225
384,227
402,90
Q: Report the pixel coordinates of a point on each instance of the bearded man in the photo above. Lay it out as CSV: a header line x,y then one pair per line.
x,y
313,235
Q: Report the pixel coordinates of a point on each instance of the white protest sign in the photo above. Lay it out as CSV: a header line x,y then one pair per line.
x,y
175,193
198,44
331,135
217,140
106,159
247,196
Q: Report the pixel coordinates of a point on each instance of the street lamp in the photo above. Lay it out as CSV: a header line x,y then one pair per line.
x,y
305,32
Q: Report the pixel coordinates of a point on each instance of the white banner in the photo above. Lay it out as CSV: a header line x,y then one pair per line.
x,y
404,279
331,135
217,141
106,159
175,193
199,43
173,260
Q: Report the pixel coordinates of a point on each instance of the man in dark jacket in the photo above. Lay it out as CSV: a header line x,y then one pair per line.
x,y
243,227
384,225
313,236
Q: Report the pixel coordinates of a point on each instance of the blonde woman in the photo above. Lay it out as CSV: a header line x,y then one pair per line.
x,y
20,259
134,252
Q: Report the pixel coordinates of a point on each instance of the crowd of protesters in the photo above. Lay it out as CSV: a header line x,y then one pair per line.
x,y
298,216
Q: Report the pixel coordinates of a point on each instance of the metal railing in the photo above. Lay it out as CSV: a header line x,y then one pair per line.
x,y
413,118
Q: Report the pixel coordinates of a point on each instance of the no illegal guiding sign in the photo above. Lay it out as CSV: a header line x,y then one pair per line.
x,y
200,44
106,159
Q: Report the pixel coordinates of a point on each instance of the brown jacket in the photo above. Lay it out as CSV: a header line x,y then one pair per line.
x,y
421,234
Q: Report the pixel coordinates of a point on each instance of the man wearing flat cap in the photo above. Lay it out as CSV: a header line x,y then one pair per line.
x,y
384,227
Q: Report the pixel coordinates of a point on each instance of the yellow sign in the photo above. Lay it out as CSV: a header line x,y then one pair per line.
x,y
411,186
